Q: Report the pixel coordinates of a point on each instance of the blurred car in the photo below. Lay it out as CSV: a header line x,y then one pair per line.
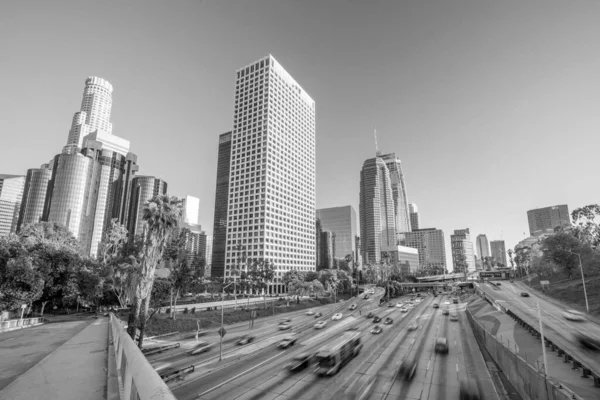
x,y
408,368
403,309
376,320
573,315
285,319
285,326
435,295
455,300
468,390
366,296
320,324
447,302
588,342
445,311
352,307
399,305
410,305
337,316
388,321
161,366
370,315
524,294
300,362
418,294
454,317
512,281
287,342
376,330
245,340
441,345
201,347
498,283
317,315
413,326
391,305
310,312
436,305
352,328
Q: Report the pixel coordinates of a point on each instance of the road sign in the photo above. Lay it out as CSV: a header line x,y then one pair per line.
x,y
222,332
23,305
491,274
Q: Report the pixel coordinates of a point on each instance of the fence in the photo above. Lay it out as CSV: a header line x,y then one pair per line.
x,y
136,377
531,384
13,324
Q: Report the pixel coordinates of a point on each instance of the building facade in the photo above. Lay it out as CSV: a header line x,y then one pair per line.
x,y
271,208
415,220
191,209
545,218
376,209
499,251
34,196
483,246
341,221
208,255
11,196
221,203
431,246
143,188
401,210
462,251
406,259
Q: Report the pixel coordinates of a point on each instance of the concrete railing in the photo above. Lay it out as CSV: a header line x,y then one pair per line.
x,y
529,382
226,304
136,377
13,324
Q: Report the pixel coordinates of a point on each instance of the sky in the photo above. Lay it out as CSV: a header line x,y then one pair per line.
x,y
492,106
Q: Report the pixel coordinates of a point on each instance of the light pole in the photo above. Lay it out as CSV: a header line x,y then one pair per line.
x,y
587,306
222,317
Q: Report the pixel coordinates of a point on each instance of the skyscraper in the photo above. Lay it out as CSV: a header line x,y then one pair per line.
x,y
191,208
221,202
414,217
499,251
401,210
462,250
143,188
271,208
376,208
11,195
341,221
208,255
431,245
483,247
542,219
34,195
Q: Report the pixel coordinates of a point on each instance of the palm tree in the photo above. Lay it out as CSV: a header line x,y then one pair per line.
x,y
161,215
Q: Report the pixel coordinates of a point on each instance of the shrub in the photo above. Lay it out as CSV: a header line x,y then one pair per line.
x,y
194,310
185,310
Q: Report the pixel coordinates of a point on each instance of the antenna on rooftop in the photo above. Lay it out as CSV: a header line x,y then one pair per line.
x,y
377,152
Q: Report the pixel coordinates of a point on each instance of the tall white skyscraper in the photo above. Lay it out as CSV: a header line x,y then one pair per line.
x,y
11,194
271,208
415,218
398,193
191,208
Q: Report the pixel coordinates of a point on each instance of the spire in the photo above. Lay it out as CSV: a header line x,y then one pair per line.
x,y
377,152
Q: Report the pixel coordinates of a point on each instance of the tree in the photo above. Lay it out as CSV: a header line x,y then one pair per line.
x,y
585,228
181,274
522,259
113,242
20,283
560,248
161,215
161,290
289,277
89,282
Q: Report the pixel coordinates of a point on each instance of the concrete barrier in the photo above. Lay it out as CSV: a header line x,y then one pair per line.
x,y
136,377
529,382
217,304
14,324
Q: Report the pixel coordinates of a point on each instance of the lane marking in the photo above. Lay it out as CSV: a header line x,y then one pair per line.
x,y
428,362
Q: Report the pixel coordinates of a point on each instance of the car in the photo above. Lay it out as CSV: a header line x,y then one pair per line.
x,y
410,305
435,295
573,315
337,316
413,326
407,368
441,345
320,324
245,340
447,302
299,362
468,390
436,305
399,305
376,330
524,294
418,294
161,366
498,283
512,281
454,317
445,311
391,305
388,321
284,320
318,315
455,300
310,312
376,320
287,342
366,296
201,347
370,315
403,309
417,301
588,342
285,326
352,307
352,328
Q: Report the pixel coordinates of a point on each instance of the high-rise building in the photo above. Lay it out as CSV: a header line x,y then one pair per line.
x,y
34,195
143,188
325,250
499,251
401,210
208,253
431,246
11,195
406,259
462,251
271,209
414,217
221,202
545,218
341,221
483,247
376,209
195,244
191,209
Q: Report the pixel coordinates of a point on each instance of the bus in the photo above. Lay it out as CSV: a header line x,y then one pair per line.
x,y
333,356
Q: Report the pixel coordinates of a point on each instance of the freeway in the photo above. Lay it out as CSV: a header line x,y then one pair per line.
x,y
556,328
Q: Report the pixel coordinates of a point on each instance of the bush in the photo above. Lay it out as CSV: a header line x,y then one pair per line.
x,y
194,310
185,310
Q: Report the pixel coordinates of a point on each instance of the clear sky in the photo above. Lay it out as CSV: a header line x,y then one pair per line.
x,y
493,106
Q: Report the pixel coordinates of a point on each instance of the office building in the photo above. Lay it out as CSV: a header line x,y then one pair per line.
x,y
545,218
221,202
431,246
406,259
414,217
11,196
34,196
191,209
143,188
208,255
341,221
399,196
483,246
478,263
326,244
271,207
376,209
462,251
499,251
195,244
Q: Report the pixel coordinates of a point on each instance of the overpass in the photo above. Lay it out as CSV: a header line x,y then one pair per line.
x,y
445,277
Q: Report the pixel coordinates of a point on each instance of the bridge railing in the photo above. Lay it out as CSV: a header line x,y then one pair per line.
x,y
136,377
13,324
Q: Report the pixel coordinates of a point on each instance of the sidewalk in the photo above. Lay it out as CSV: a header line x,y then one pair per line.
x,y
76,370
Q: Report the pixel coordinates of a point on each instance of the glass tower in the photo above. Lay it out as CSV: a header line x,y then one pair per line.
x,y
34,195
402,215
547,218
483,246
143,188
341,221
221,201
11,195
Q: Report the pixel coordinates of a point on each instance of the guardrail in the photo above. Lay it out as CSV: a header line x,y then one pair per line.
x,y
137,379
225,304
13,324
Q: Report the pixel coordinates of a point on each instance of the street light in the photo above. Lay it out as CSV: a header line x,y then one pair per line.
x,y
587,306
222,317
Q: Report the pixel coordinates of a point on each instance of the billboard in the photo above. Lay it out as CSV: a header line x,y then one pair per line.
x,y
494,274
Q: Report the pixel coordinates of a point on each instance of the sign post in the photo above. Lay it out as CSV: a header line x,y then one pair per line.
x,y
221,333
23,307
